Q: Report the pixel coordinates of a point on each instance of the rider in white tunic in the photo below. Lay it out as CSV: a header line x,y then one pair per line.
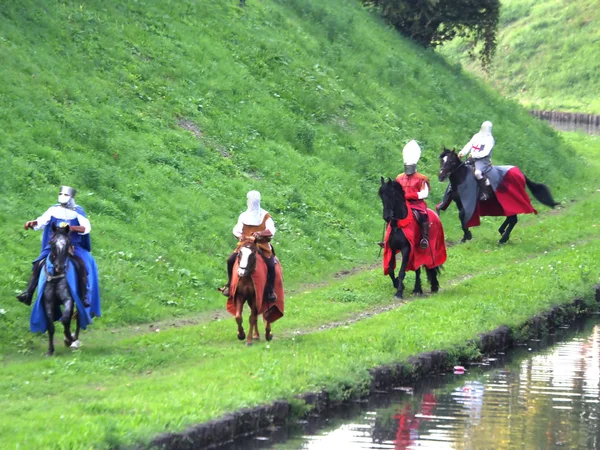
x,y
480,148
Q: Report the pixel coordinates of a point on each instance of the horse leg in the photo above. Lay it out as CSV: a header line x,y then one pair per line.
x,y
432,278
75,344
47,300
405,254
391,265
467,236
255,333
253,325
512,222
239,305
418,290
268,334
67,314
502,228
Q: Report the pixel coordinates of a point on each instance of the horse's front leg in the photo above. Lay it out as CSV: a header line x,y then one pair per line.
x,y
67,301
402,273
253,324
268,334
512,221
47,299
467,236
75,344
239,305
418,290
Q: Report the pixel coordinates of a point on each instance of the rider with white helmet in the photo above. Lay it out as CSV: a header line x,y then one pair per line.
x,y
416,188
257,223
480,147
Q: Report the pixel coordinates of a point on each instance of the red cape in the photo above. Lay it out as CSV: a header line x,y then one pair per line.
x,y
430,257
270,311
510,199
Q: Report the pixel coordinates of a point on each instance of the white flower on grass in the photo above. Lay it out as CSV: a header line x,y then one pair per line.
x,y
2,311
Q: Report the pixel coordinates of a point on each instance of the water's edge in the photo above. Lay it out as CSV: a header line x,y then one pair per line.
x,y
567,121
250,421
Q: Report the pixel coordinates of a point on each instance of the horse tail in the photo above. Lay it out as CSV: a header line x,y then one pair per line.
x,y
541,193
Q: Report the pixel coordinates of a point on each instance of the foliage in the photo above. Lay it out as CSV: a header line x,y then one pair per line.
x,y
547,54
433,22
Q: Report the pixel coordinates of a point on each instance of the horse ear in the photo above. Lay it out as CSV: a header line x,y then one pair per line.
x,y
67,229
382,181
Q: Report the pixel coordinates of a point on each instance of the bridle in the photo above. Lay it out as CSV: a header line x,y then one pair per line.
x,y
455,169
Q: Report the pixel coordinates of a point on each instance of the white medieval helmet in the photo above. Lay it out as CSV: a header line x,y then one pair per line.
x,y
411,153
253,215
486,128
66,196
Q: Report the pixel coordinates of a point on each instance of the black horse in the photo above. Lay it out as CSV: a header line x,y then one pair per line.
x,y
461,174
56,290
394,209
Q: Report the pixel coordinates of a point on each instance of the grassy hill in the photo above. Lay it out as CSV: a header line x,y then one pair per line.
x,y
163,115
548,54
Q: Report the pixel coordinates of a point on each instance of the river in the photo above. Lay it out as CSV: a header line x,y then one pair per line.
x,y
542,395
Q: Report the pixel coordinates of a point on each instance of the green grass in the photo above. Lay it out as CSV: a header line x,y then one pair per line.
x,y
547,54
307,101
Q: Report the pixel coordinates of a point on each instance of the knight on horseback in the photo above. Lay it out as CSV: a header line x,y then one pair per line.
x,y
67,211
416,188
480,147
255,223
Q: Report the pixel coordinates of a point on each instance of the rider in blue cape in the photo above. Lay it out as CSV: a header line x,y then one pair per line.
x,y
67,211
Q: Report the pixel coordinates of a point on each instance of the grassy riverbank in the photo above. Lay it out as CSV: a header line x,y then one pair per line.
x,y
129,384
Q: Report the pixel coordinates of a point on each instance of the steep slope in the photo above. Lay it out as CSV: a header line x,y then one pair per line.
x,y
163,115
548,54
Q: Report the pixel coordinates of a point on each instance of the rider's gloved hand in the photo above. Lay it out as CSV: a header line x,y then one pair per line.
x,y
30,224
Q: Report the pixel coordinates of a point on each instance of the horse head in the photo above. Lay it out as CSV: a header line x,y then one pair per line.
x,y
392,197
247,258
449,162
59,247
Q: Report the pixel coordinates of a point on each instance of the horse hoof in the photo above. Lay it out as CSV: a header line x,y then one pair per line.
x,y
502,241
241,336
248,344
67,342
50,353
255,338
417,292
269,336
75,345
398,295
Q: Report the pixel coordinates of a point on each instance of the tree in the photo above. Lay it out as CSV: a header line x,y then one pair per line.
x,y
433,22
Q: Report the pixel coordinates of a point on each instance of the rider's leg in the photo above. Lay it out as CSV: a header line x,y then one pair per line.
x,y
82,280
27,295
230,264
424,226
270,288
483,183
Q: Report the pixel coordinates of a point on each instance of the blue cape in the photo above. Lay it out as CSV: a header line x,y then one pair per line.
x,y
37,321
85,239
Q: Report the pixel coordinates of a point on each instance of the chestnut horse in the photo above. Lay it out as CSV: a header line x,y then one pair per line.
x,y
245,292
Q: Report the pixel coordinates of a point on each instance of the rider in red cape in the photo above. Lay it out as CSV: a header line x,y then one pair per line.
x,y
507,183
422,227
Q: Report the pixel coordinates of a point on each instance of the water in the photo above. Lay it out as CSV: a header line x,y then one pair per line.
x,y
537,397
574,127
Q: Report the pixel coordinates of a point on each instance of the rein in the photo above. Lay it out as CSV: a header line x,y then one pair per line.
x,y
53,277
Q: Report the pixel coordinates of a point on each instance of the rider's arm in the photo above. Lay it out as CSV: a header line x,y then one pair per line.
x,y
270,226
466,149
43,220
423,193
83,222
239,227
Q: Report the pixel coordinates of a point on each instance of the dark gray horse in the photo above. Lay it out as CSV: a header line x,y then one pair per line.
x,y
56,290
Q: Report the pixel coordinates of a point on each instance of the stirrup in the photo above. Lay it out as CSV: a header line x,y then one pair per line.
x,y
271,297
225,291
424,243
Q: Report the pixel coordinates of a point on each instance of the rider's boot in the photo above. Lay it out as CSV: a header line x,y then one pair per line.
x,y
484,188
27,295
82,280
424,234
270,288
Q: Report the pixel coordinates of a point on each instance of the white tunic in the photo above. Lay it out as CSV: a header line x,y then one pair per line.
x,y
63,213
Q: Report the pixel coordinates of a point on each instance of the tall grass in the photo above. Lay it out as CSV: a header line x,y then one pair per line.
x,y
547,54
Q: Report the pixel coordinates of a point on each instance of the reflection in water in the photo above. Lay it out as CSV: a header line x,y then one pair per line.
x,y
560,125
543,400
